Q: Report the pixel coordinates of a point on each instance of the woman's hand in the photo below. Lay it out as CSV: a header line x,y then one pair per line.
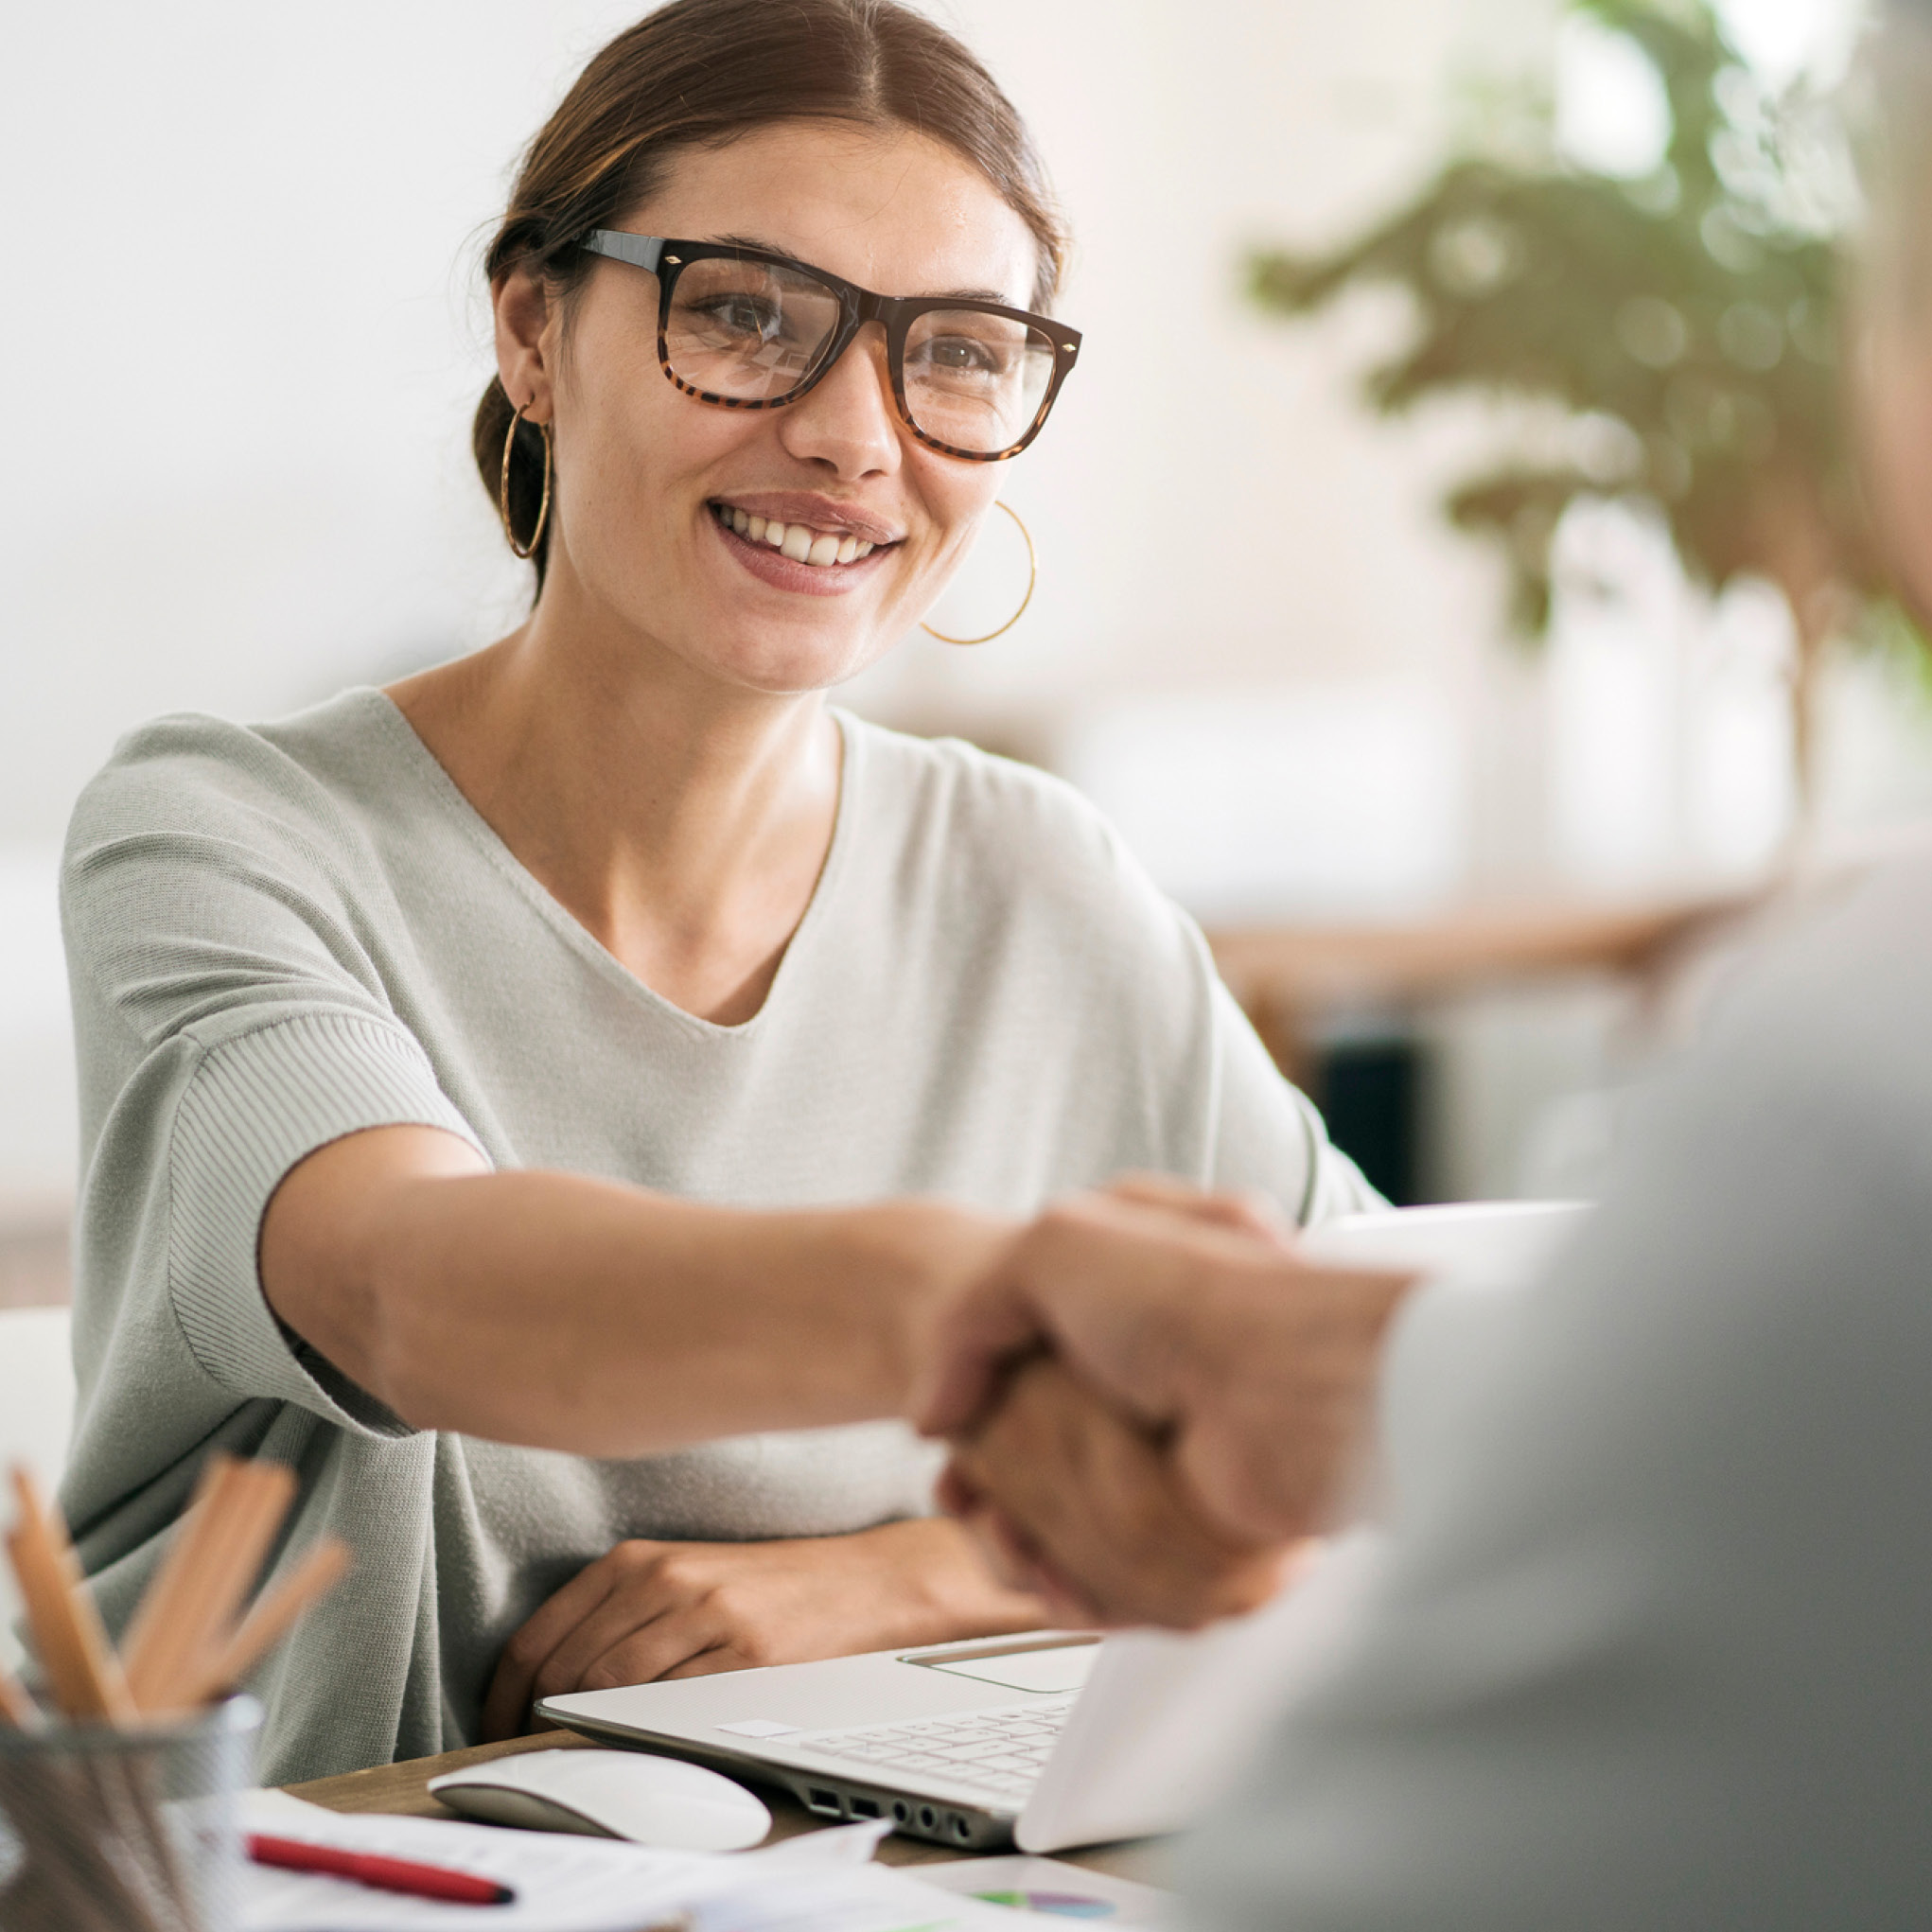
x,y
650,1610
1074,1501
1256,1370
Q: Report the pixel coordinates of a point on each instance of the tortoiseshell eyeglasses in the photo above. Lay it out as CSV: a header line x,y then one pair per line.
x,y
745,330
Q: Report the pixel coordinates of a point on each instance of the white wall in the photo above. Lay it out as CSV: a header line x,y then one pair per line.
x,y
246,342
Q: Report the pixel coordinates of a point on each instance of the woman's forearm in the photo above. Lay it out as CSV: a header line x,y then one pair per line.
x,y
584,1315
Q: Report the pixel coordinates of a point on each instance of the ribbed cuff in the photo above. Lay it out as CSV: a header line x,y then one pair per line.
x,y
256,1107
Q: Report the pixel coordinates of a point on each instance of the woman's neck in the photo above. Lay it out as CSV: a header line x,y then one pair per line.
x,y
682,823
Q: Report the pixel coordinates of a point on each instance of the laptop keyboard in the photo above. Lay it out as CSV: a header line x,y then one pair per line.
x,y
1001,1751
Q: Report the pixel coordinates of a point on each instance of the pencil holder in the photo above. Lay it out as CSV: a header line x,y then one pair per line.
x,y
133,1830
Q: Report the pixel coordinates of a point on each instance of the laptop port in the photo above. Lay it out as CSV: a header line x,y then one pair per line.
x,y
960,1829
928,1817
865,1807
902,1812
821,1800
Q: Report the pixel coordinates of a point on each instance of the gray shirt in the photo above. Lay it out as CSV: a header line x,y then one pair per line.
x,y
1652,1642
282,934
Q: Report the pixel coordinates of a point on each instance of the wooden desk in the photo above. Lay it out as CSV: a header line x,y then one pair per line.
x,y
404,1788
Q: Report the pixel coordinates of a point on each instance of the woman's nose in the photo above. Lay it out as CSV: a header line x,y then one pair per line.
x,y
848,420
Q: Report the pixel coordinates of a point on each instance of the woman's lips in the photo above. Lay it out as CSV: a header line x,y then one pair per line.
x,y
805,515
785,573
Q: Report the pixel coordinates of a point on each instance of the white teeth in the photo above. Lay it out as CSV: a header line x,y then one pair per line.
x,y
798,541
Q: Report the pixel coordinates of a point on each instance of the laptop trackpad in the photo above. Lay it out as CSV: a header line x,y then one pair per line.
x,y
1050,1669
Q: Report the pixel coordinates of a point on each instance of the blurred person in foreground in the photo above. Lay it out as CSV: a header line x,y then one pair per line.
x,y
1647,1642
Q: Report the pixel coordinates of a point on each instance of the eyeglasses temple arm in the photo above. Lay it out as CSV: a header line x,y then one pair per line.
x,y
640,250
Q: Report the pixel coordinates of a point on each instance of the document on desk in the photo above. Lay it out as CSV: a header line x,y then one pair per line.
x,y
867,1898
565,1883
562,1883
1053,1888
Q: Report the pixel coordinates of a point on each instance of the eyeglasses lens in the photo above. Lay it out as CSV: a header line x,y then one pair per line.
x,y
975,381
745,330
754,331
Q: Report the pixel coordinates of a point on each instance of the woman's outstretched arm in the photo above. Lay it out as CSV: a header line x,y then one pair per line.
x,y
567,1313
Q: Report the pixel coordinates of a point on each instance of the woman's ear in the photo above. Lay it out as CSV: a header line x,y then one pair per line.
x,y
525,342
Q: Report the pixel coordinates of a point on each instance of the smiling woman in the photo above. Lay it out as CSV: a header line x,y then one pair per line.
x,y
505,1092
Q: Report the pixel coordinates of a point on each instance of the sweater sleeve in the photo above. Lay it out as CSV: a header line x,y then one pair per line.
x,y
231,1018
1266,1129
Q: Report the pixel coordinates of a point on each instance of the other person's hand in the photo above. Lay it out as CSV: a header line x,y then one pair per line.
x,y
1086,1511
1202,1325
650,1610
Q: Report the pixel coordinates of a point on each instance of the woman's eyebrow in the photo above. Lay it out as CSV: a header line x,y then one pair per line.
x,y
993,295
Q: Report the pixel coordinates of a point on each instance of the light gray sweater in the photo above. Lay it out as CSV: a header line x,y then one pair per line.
x,y
282,934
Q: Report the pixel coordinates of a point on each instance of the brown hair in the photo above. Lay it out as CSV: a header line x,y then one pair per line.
x,y
699,72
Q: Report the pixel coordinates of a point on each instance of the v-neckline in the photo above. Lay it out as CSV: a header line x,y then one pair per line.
x,y
452,797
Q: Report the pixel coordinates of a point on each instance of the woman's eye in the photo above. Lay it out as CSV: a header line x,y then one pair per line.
x,y
960,356
742,315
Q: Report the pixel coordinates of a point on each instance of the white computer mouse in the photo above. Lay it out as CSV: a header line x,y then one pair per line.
x,y
651,1801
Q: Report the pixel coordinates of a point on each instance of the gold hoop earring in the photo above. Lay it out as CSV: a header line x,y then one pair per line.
x,y
520,549
1032,578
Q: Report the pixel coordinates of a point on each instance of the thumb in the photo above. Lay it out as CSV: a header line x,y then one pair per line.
x,y
972,1345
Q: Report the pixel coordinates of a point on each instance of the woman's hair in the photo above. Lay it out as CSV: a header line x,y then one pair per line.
x,y
700,72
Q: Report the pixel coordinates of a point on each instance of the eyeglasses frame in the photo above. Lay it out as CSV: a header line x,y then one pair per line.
x,y
656,252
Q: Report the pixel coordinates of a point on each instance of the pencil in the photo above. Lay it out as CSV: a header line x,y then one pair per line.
x,y
99,1853
209,1573
16,1707
155,1617
259,1497
82,1668
273,1616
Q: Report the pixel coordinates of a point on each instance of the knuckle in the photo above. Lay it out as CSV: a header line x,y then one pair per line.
x,y
735,1605
755,1646
683,1570
524,1650
609,1673
552,1681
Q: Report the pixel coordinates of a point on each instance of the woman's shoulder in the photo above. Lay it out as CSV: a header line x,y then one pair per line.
x,y
1006,834
971,787
966,793
191,772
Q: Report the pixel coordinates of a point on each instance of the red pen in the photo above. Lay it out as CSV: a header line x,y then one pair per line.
x,y
387,1875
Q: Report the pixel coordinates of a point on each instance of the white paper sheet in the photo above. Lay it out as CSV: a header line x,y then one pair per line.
x,y
1052,1889
566,1882
868,1897
563,1883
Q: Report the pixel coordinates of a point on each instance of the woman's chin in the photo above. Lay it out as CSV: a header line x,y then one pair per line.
x,y
781,668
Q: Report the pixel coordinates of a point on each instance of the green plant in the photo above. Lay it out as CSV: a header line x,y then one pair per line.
x,y
1684,324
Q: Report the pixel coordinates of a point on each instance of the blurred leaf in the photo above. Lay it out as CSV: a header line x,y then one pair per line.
x,y
1697,309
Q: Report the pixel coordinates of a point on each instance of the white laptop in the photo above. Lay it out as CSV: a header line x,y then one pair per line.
x,y
1054,1738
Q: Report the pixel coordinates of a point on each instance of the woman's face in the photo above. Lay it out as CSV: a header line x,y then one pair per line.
x,y
642,471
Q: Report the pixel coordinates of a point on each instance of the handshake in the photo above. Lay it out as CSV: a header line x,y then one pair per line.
x,y
1152,1403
